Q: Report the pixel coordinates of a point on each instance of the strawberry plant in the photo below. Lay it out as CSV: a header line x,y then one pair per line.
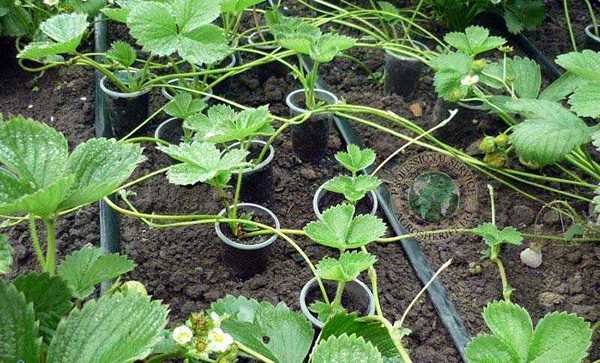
x,y
42,181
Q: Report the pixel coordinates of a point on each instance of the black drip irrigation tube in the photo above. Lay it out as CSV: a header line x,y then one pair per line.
x,y
109,221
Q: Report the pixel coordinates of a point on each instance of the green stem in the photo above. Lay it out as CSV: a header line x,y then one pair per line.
x,y
569,24
339,292
36,242
50,226
506,289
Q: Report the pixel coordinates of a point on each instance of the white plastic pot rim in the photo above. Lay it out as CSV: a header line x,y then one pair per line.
x,y
321,94
116,94
590,33
165,124
262,164
253,41
318,323
321,192
241,246
165,90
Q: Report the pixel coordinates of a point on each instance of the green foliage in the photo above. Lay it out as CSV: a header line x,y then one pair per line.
x,y
50,296
473,41
389,8
276,332
179,26
495,238
19,331
521,15
345,268
294,34
340,229
450,70
65,32
16,20
183,105
346,348
434,196
203,162
557,338
355,159
114,328
523,75
40,177
122,53
6,252
238,6
585,64
223,124
549,131
585,101
353,188
88,267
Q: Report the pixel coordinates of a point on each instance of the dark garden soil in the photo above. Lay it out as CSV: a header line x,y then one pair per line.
x,y
184,267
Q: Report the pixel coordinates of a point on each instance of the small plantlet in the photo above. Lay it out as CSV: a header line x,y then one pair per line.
x,y
558,337
354,187
434,196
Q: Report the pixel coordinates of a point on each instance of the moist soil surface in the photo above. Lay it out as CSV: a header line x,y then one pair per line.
x,y
184,267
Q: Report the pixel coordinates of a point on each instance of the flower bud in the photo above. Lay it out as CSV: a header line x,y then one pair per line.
x,y
134,287
487,145
478,65
495,159
501,140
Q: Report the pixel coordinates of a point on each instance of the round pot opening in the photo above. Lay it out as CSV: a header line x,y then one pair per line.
x,y
170,130
356,297
323,199
170,93
257,181
261,215
256,38
296,100
434,196
110,90
402,73
592,40
404,57
255,148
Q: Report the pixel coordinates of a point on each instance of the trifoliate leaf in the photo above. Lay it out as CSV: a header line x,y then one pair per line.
x,y
328,46
585,64
560,338
511,324
345,268
65,31
182,27
549,131
475,40
183,105
222,124
276,332
355,159
346,348
451,69
238,6
523,14
19,331
115,328
122,53
585,102
340,229
324,310
88,267
203,162
6,252
353,189
493,236
51,298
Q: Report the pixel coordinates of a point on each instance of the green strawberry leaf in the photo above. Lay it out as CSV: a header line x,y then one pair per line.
x,y
523,14
345,268
549,131
203,162
65,32
346,348
511,324
353,189
122,53
115,328
494,237
19,330
222,124
560,338
451,69
183,105
489,349
585,102
475,40
355,159
340,229
562,87
238,6
585,64
86,268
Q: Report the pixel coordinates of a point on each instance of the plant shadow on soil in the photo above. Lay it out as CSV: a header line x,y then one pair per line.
x,y
184,266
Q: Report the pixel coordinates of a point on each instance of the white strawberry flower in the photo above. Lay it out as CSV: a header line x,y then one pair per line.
x,y
216,319
469,80
182,335
218,340
51,2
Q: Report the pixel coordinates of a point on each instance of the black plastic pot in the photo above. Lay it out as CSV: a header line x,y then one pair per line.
x,y
257,182
592,41
370,202
247,259
356,294
125,110
462,125
270,69
402,73
170,130
309,139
